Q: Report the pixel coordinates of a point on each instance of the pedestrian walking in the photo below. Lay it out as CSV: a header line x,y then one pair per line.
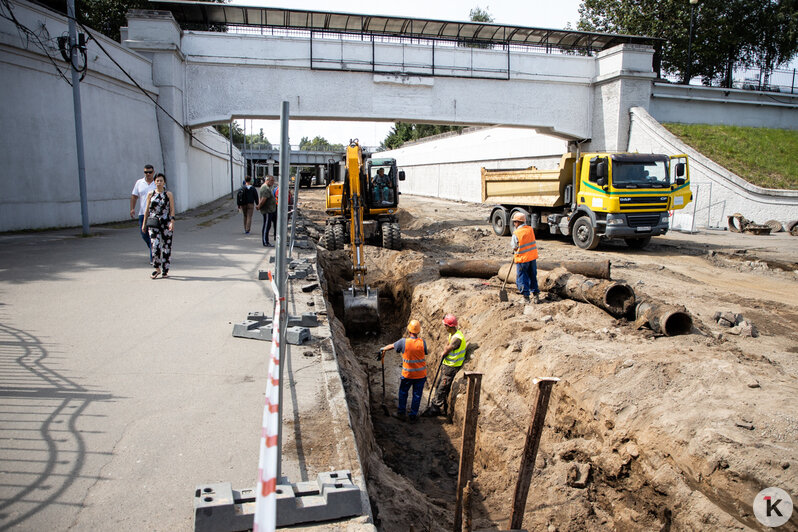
x,y
451,361
138,201
525,250
414,369
161,225
246,199
267,205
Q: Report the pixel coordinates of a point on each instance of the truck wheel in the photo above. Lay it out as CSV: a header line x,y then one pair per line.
x,y
637,243
328,239
584,234
340,236
499,221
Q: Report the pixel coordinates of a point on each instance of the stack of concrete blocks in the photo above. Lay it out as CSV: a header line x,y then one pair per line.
x,y
218,507
258,326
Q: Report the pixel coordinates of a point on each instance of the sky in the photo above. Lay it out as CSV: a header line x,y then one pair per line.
x,y
534,13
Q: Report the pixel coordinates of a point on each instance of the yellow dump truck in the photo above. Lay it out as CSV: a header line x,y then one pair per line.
x,y
592,196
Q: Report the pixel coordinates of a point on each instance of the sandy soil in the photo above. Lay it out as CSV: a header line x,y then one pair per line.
x,y
644,432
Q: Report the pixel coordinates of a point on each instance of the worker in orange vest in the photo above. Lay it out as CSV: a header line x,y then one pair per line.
x,y
414,369
525,250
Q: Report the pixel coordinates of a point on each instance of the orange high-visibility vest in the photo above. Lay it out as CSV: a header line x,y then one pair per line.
x,y
527,247
413,363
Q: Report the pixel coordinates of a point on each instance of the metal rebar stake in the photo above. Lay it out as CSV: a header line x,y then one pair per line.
x,y
545,385
468,443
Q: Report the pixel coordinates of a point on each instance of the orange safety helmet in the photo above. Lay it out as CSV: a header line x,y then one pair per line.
x,y
519,217
450,320
414,327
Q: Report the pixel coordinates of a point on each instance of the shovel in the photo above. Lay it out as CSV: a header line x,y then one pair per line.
x,y
503,292
381,356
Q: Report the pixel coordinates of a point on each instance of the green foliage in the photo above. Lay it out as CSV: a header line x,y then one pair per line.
x,y
480,15
238,133
403,132
107,16
727,34
319,144
764,157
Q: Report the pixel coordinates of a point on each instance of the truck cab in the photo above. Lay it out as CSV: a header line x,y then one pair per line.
x,y
628,196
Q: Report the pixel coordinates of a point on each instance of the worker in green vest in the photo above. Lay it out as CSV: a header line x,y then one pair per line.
x,y
453,358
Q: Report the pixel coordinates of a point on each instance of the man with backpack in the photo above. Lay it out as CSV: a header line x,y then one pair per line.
x,y
246,199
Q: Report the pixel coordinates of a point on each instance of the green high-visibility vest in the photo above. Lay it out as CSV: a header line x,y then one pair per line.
x,y
455,358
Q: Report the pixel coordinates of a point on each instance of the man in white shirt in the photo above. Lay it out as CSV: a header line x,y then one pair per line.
x,y
138,200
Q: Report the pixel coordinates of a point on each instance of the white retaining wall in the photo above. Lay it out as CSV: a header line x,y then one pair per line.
x,y
450,167
39,187
717,192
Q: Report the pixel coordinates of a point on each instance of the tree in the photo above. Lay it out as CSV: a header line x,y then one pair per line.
x,y
480,15
319,144
403,132
727,34
238,133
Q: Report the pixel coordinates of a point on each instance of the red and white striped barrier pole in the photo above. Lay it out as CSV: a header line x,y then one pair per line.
x,y
266,499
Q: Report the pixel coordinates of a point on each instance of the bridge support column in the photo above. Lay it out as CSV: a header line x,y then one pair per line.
x,y
623,80
156,35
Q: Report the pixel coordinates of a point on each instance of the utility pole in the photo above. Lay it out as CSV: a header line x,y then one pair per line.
x,y
73,47
280,262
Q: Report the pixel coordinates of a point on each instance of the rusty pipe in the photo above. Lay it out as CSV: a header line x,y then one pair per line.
x,y
669,320
485,269
614,297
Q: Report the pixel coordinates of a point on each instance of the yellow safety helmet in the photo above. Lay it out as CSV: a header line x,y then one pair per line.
x,y
414,327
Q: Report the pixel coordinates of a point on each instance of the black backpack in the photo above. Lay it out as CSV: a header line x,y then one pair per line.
x,y
240,197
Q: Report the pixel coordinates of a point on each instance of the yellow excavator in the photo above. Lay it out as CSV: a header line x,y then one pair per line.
x,y
363,208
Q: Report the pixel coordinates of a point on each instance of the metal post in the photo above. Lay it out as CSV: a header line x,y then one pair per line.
x,y
690,42
792,85
531,450
467,446
282,233
709,206
294,214
232,173
73,47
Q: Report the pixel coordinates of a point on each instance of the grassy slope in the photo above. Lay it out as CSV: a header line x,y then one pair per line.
x,y
765,157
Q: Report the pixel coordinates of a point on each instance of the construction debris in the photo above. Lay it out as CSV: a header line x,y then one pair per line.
x,y
669,320
738,325
740,224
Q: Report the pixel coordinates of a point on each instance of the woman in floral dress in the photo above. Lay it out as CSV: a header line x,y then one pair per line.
x,y
161,209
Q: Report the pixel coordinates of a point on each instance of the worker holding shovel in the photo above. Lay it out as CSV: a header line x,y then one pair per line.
x,y
525,251
451,361
414,369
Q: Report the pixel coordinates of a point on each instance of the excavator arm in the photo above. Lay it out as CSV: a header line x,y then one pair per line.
x,y
361,310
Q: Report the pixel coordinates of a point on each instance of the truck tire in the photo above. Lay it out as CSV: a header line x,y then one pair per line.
x,y
584,234
340,236
637,243
328,238
500,221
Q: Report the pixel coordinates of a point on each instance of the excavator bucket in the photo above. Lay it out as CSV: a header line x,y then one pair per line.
x,y
361,310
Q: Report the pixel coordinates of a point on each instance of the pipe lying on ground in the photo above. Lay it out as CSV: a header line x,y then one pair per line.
x,y
615,298
485,269
665,319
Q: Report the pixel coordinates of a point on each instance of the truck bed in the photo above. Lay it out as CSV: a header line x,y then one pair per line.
x,y
528,186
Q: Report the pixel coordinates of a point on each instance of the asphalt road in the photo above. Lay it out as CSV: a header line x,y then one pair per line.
x,y
120,394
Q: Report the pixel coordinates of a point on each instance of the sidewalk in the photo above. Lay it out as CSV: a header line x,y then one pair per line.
x,y
121,394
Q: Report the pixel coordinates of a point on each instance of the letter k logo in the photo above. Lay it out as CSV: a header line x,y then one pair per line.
x,y
772,507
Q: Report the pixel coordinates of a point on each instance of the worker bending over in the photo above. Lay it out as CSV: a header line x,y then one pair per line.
x,y
414,369
525,251
452,360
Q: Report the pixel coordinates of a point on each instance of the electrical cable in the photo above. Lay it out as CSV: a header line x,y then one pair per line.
x,y
30,33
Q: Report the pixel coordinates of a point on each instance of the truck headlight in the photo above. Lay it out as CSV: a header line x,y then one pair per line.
x,y
614,221
664,218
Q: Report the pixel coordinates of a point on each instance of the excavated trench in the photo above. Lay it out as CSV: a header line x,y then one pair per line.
x,y
599,466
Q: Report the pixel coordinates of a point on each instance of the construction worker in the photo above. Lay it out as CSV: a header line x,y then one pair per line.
x,y
451,362
414,369
525,251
